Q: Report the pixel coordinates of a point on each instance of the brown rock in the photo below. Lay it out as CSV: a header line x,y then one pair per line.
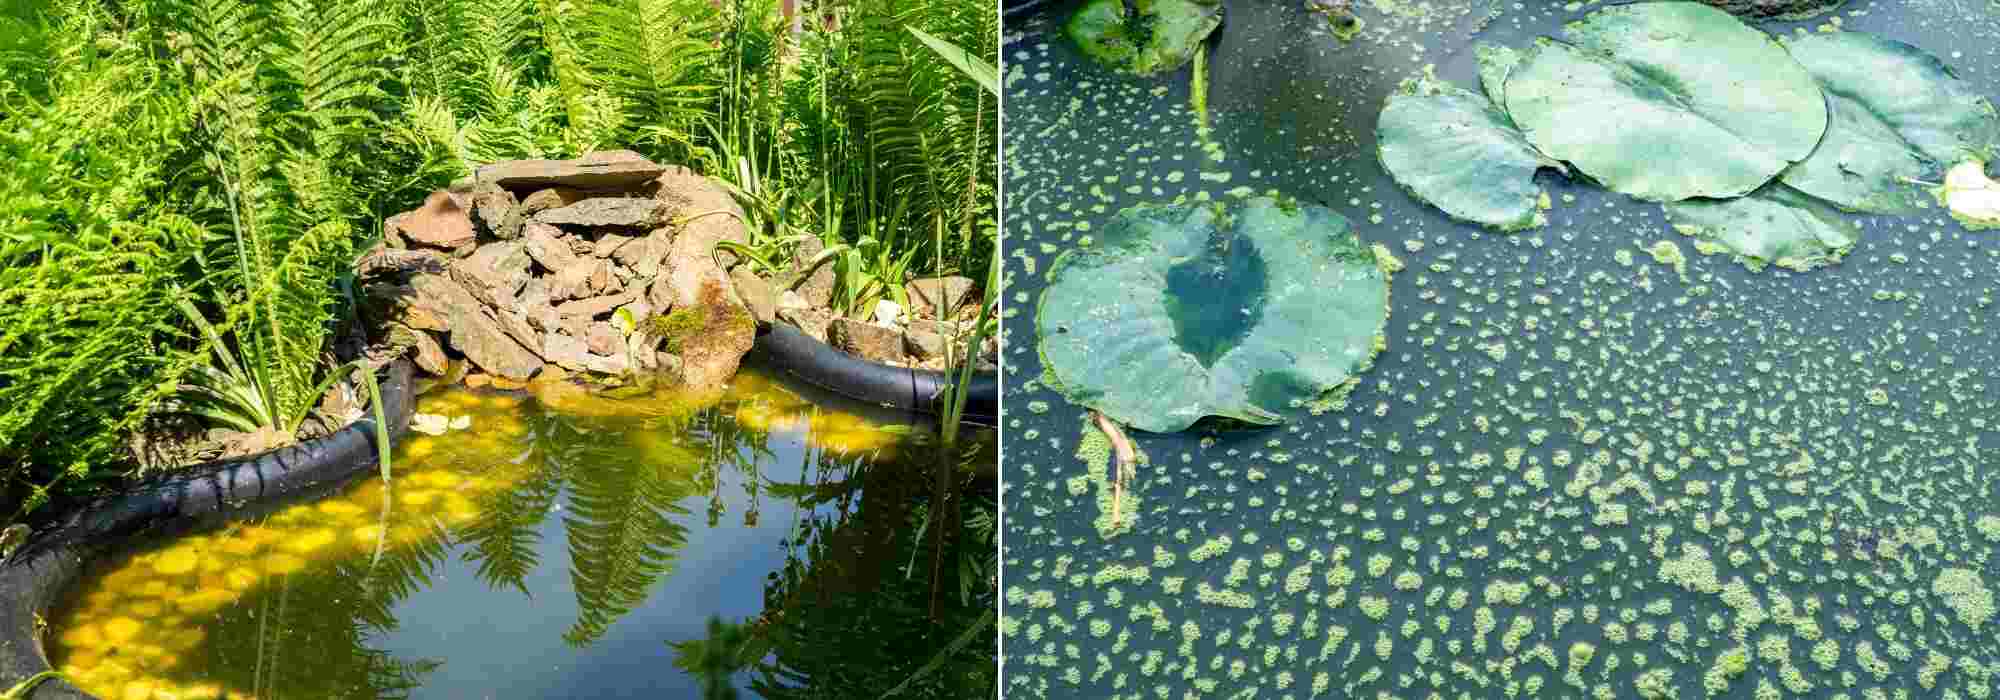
x,y
817,286
425,349
473,330
602,339
811,321
573,282
546,246
609,243
927,340
565,351
476,380
614,212
757,293
942,295
440,223
496,212
601,281
551,198
383,260
506,384
645,255
595,306
866,340
600,170
516,326
711,216
494,273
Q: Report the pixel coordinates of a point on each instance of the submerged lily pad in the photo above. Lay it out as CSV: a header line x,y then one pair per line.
x,y
1774,225
1666,101
1897,114
1451,147
1182,312
1159,36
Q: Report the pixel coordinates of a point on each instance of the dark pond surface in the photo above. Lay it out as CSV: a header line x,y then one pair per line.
x,y
1577,470
561,544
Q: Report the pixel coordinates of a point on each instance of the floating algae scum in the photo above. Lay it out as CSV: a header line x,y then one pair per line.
x,y
549,544
1588,460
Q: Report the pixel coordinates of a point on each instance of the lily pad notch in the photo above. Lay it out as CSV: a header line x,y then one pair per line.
x,y
1179,313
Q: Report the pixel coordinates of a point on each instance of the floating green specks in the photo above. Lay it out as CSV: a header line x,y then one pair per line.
x,y
1666,101
1161,36
1974,198
1776,225
1897,114
1181,312
1453,148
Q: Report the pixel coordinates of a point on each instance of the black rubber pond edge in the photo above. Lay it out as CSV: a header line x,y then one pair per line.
x,y
816,363
37,576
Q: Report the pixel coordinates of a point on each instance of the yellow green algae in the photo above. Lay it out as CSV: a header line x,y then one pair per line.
x,y
136,629
1564,476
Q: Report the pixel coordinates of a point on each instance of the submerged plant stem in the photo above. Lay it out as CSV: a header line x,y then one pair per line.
x,y
1121,449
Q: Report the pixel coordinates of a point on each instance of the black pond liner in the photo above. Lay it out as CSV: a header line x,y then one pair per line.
x,y
44,568
801,357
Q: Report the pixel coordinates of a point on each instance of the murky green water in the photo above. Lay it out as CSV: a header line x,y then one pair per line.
x,y
1574,472
568,545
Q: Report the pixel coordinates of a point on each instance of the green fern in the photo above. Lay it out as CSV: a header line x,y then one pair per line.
x,y
655,56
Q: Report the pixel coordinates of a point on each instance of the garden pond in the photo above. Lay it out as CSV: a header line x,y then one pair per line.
x,y
1587,461
556,543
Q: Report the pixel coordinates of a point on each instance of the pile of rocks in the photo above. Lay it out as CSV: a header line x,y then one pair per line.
x,y
940,312
576,264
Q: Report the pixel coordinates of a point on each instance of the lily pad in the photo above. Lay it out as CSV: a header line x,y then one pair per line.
x,y
1182,312
1666,101
1495,63
1453,148
1774,225
1158,36
1898,114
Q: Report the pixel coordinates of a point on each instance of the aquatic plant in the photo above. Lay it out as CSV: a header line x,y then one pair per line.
x,y
1143,36
1841,119
1176,313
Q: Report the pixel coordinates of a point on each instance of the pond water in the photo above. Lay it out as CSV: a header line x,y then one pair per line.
x,y
562,544
1575,471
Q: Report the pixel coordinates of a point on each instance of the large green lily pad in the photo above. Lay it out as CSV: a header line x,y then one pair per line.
x,y
1451,147
1775,225
1898,114
1159,36
1182,312
1666,101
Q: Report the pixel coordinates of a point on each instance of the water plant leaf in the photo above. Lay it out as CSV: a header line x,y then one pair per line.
x,y
1453,148
1182,312
1160,36
1495,63
1774,225
1897,114
1666,101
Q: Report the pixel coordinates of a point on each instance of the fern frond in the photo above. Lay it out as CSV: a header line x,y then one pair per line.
x,y
658,57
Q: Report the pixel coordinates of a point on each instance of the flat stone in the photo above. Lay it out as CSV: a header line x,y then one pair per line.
x,y
809,320
817,287
546,245
551,198
600,170
565,351
866,340
602,339
645,255
609,243
756,293
928,340
607,364
573,282
618,212
595,306
494,273
516,326
495,212
441,223
473,332
940,295
429,354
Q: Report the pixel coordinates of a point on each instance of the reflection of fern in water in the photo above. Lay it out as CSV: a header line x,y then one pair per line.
x,y
622,534
506,539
